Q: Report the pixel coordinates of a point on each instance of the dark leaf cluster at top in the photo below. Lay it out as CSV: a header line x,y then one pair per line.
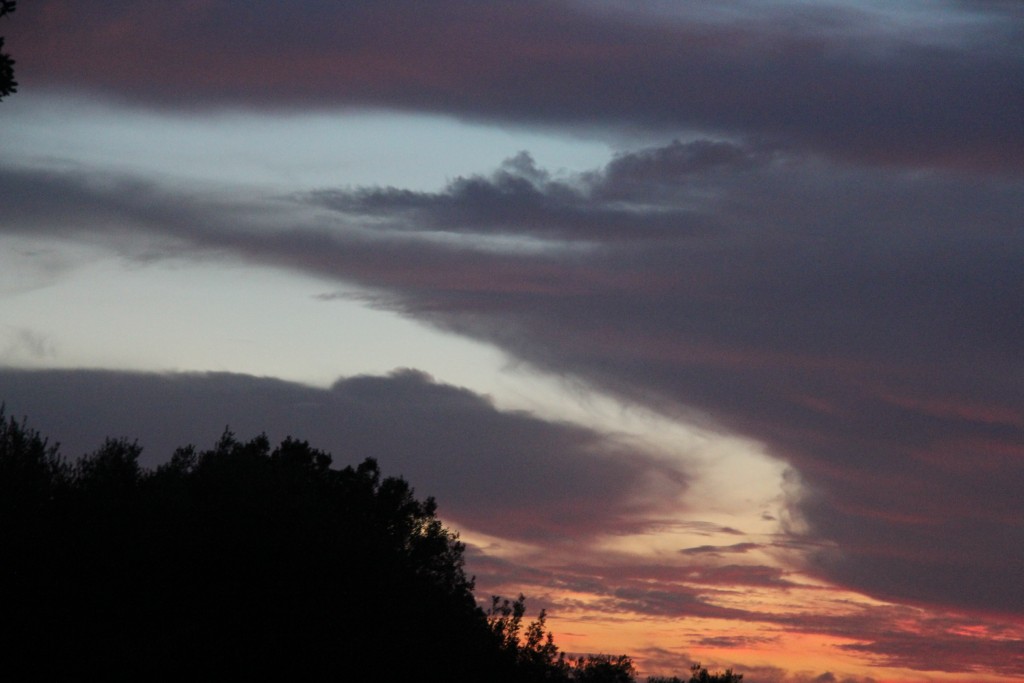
x,y
246,562
7,82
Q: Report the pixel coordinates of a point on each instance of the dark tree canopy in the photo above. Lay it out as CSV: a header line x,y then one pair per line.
x,y
245,561
239,561
7,82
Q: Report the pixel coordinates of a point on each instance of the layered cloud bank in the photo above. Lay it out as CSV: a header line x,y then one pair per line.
x,y
893,85
809,236
862,323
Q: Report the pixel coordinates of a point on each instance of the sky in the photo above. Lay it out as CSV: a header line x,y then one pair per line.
x,y
701,321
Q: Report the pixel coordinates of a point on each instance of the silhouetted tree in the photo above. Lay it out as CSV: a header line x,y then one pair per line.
x,y
530,653
604,669
533,655
246,561
30,468
699,674
239,561
7,82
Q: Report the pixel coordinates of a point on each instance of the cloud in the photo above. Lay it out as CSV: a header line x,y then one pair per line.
x,y
769,608
517,199
664,661
923,641
844,317
516,478
729,642
828,261
19,342
510,474
935,88
719,549
944,651
861,322
708,528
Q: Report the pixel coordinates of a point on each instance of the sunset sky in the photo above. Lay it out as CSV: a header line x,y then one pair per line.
x,y
701,321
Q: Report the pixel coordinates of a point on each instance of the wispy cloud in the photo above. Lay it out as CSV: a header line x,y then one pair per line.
x,y
19,342
719,549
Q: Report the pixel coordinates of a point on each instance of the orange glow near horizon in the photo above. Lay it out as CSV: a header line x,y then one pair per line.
x,y
788,632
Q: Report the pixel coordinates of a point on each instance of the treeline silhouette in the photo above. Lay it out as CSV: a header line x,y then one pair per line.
x,y
248,562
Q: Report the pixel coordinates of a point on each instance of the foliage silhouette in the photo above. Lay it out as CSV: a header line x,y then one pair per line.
x,y
239,561
604,669
7,83
246,561
699,674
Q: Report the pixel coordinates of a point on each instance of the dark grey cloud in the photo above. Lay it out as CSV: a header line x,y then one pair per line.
x,y
505,473
726,642
704,577
922,642
862,322
930,650
707,528
669,601
937,87
720,549
517,199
